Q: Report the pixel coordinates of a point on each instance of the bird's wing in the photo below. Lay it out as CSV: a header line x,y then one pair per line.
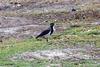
x,y
45,32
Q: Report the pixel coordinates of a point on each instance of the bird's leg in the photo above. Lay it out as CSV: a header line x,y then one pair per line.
x,y
45,38
38,39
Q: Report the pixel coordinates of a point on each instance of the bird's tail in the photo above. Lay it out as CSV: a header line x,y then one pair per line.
x,y
37,37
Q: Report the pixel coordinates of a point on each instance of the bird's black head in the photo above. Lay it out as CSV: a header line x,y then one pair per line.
x,y
51,24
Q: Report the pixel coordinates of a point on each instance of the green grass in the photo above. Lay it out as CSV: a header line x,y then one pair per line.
x,y
84,30
70,37
20,46
13,47
84,63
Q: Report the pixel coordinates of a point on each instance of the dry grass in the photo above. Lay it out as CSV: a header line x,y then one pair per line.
x,y
90,6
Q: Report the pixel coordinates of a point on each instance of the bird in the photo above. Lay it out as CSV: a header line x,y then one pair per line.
x,y
47,31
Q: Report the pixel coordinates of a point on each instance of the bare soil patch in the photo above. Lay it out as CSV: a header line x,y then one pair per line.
x,y
57,54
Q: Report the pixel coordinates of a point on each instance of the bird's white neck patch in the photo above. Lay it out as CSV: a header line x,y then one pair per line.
x,y
54,29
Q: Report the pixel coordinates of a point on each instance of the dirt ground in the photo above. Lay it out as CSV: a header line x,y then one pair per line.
x,y
23,19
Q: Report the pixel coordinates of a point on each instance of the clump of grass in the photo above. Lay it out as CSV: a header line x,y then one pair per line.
x,y
83,31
